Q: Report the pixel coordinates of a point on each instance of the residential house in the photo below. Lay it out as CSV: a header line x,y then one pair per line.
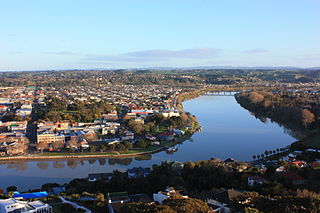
x,y
116,200
12,205
168,113
98,176
127,135
166,136
223,200
169,192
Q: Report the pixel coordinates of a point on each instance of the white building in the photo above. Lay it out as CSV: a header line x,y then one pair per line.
x,y
168,113
169,192
12,205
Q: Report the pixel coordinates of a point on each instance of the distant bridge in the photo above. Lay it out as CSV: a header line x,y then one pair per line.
x,y
220,93
225,91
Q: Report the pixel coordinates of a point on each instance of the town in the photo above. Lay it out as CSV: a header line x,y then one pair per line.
x,y
101,118
81,119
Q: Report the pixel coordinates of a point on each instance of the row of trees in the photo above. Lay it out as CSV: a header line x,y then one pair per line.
x,y
268,153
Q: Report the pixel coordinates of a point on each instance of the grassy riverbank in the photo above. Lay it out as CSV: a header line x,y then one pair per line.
x,y
130,153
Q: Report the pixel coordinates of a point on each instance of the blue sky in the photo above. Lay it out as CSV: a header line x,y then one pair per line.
x,y
66,34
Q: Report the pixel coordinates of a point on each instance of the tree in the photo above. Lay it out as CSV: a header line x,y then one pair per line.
x,y
12,189
255,97
121,148
189,205
127,144
112,147
307,117
102,148
254,157
92,148
141,144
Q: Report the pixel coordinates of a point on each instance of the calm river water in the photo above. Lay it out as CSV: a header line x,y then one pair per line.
x,y
228,131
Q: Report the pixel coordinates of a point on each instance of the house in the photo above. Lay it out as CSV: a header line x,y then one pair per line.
x,y
12,205
13,147
98,176
178,132
23,112
3,108
223,200
281,169
117,199
127,135
110,116
84,144
169,192
166,136
300,163
294,178
151,137
252,180
62,125
155,143
138,172
168,113
112,141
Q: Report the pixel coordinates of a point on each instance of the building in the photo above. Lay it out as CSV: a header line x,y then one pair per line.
x,y
3,108
168,113
49,137
98,176
169,192
252,180
222,201
12,205
166,136
127,135
117,199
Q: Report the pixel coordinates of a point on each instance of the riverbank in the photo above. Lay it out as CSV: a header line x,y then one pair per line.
x,y
307,135
130,153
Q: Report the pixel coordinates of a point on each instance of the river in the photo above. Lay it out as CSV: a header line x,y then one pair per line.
x,y
228,131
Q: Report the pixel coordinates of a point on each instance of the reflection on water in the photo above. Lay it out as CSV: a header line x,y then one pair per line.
x,y
58,164
92,161
143,157
228,131
120,161
43,165
18,166
102,162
